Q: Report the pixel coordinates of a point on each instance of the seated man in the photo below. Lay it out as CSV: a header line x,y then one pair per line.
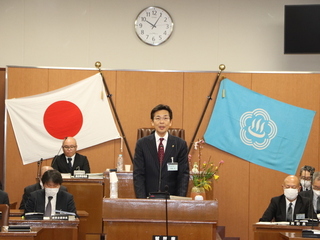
x,y
40,200
286,206
313,195
306,173
70,160
4,199
31,188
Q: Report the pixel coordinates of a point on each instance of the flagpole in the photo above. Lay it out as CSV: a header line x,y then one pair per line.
x,y
221,67
98,65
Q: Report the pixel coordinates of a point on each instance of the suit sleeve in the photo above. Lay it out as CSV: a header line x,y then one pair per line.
x,y
139,172
270,212
71,205
30,204
183,168
86,166
25,197
6,199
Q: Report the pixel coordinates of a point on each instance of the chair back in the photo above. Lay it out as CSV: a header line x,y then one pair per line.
x,y
5,211
178,132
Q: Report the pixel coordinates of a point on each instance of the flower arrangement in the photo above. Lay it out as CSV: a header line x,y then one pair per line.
x,y
202,177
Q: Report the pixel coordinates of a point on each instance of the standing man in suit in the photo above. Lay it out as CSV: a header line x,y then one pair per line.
x,y
34,187
313,195
286,206
59,200
155,171
70,160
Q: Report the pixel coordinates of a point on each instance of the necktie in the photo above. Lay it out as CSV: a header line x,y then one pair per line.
x,y
48,210
161,151
69,163
289,213
318,205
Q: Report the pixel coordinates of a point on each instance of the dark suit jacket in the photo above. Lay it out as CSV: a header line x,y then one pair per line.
x,y
36,202
4,198
31,188
146,167
59,163
309,194
277,209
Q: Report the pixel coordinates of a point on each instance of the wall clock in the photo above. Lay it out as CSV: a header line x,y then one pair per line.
x,y
154,25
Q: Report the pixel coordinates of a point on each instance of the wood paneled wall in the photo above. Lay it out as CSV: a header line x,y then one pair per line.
x,y
243,190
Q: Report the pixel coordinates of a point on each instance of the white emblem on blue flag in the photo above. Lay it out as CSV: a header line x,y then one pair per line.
x,y
257,129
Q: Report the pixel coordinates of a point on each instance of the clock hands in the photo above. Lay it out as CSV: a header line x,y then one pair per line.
x,y
154,25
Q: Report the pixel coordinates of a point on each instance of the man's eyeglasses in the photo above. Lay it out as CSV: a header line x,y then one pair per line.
x,y
69,147
158,119
305,178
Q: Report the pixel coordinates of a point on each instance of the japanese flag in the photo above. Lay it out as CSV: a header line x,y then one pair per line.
x,y
80,110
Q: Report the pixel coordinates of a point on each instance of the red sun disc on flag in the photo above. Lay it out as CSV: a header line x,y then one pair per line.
x,y
63,119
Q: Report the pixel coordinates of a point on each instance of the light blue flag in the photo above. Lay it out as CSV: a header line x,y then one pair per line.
x,y
258,129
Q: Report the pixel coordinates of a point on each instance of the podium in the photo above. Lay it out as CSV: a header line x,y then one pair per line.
x,y
126,189
143,218
88,194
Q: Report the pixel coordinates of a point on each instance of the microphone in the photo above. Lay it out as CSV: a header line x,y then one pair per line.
x,y
39,167
166,188
56,156
160,172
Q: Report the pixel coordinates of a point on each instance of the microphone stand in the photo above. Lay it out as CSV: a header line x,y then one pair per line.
x,y
167,196
98,65
39,167
221,67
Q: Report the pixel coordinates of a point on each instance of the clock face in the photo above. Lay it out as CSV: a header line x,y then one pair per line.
x,y
154,25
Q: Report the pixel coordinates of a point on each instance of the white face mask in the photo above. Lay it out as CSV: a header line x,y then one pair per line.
x,y
51,191
316,192
290,193
305,184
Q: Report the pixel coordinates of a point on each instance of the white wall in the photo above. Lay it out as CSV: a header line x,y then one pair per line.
x,y
245,35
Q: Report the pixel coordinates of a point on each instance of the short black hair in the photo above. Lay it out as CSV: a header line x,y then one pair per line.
x,y
308,169
159,108
52,176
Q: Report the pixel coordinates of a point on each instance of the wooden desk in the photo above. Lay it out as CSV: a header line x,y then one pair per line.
x,y
34,234
51,229
143,218
292,236
273,232
83,217
88,194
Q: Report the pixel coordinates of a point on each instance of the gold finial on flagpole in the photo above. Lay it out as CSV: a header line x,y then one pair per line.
x,y
222,67
98,65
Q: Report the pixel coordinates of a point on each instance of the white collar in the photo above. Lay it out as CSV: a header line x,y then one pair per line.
x,y
158,137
